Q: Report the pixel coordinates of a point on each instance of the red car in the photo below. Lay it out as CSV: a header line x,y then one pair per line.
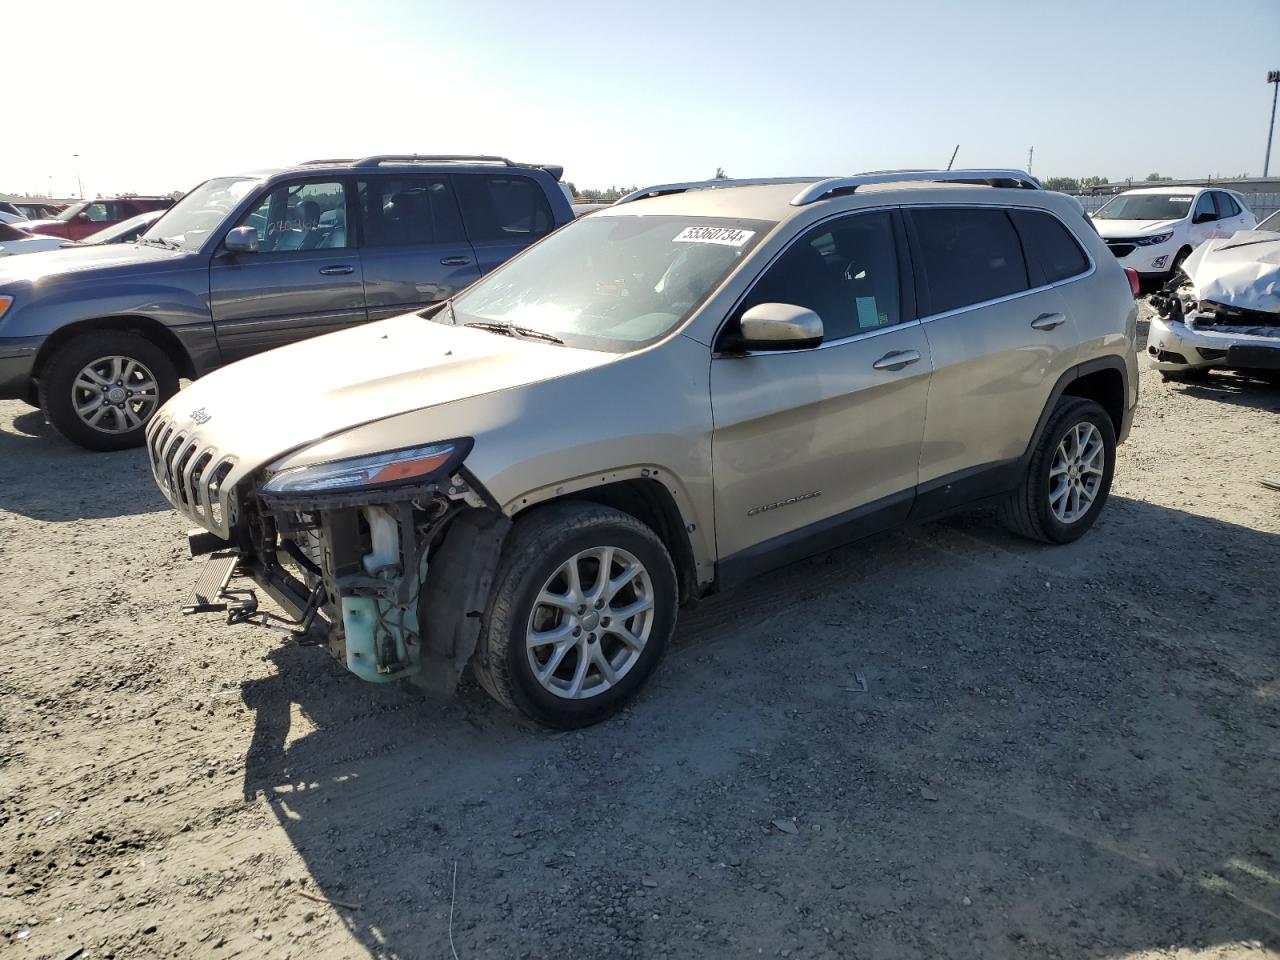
x,y
89,216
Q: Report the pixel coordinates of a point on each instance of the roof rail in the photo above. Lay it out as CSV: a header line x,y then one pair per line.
x,y
324,163
839,186
664,189
378,159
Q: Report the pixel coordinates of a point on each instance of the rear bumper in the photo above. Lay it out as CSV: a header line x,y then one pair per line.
x,y
17,363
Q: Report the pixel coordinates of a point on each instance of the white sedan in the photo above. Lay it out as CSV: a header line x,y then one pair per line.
x,y
1154,229
14,241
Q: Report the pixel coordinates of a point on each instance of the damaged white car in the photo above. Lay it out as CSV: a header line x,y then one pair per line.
x,y
1223,309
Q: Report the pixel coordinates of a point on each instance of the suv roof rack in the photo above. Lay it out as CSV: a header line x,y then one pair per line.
x,y
840,186
555,170
665,189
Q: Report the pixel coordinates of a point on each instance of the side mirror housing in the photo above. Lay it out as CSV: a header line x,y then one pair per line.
x,y
242,240
1208,217
779,326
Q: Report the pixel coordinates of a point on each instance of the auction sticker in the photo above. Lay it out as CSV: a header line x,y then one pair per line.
x,y
725,236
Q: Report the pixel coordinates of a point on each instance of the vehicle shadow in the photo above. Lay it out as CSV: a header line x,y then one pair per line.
x,y
35,463
1234,389
990,749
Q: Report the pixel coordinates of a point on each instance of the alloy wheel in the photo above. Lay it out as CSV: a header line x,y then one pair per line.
x,y
1075,476
115,394
590,622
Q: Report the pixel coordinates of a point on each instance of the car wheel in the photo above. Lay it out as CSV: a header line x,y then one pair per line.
x,y
1069,476
1178,260
100,389
583,605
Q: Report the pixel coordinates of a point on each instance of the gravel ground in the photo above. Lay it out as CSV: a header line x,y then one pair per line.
x,y
1059,752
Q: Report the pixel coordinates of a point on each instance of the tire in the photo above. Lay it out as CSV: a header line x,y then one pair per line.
x,y
537,558
1178,260
88,363
1030,510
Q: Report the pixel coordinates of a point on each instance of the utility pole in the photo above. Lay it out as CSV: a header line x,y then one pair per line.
x,y
1030,153
79,184
1273,78
953,156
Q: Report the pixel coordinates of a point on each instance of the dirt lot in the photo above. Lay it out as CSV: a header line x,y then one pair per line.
x,y
1066,752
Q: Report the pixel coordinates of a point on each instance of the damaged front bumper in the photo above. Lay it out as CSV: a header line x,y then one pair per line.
x,y
394,582
1189,344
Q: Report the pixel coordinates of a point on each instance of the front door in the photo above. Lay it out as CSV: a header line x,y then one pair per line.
x,y
304,280
414,250
811,445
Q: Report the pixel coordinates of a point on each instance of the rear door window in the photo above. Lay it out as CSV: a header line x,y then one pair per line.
x,y
504,207
1051,244
1227,207
403,211
967,256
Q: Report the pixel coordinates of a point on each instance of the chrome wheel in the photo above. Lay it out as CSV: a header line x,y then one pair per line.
x,y
115,394
590,622
1075,476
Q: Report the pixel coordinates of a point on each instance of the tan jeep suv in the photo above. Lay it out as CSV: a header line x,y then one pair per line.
x,y
659,400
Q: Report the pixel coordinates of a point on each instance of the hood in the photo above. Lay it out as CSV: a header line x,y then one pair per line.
x,y
261,408
1108,229
85,261
1242,270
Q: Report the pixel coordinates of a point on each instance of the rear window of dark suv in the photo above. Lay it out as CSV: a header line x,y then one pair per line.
x,y
968,255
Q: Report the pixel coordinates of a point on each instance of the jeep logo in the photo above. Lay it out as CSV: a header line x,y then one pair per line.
x,y
200,416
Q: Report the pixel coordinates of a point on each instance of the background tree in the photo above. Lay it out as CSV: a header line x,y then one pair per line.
x,y
1062,184
1156,178
720,174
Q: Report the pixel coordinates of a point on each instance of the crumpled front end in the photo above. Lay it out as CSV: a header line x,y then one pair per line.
x,y
1223,310
394,580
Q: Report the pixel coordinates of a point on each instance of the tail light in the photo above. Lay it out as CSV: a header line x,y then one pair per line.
x,y
1135,286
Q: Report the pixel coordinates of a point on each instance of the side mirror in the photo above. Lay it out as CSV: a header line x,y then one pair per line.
x,y
1207,217
242,240
779,326
82,216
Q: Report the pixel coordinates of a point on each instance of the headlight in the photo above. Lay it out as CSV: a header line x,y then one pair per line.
x,y
1152,241
380,471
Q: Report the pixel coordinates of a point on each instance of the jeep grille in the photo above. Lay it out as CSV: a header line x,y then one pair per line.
x,y
191,474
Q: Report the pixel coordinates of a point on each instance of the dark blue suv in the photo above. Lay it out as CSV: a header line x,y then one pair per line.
x,y
99,336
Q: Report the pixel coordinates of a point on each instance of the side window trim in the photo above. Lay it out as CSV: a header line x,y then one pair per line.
x,y
908,319
922,298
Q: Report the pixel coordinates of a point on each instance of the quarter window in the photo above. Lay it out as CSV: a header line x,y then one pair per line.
x,y
845,271
1051,244
968,256
503,207
401,211
300,216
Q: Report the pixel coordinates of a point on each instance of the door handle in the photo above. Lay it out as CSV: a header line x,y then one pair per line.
x,y
454,261
1047,321
896,359
337,269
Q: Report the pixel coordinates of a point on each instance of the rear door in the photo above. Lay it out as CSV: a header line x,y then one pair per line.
x,y
1000,337
504,213
414,250
1232,216
304,280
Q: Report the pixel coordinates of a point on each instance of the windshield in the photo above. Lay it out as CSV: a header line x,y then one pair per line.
x,y
188,223
71,211
1272,223
1146,206
128,229
611,282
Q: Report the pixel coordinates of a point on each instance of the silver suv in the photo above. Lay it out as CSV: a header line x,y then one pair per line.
x,y
657,401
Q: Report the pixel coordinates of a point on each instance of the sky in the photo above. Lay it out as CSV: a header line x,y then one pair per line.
x,y
157,96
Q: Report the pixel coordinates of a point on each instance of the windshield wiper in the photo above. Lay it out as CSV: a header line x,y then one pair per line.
x,y
164,242
511,330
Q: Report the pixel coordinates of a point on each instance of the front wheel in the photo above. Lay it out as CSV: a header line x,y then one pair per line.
x,y
583,605
100,389
1069,476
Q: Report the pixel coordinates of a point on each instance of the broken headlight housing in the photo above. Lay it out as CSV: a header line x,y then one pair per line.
x,y
1153,241
377,472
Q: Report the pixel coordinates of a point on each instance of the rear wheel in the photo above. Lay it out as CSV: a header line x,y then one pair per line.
x,y
584,603
100,389
1069,476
